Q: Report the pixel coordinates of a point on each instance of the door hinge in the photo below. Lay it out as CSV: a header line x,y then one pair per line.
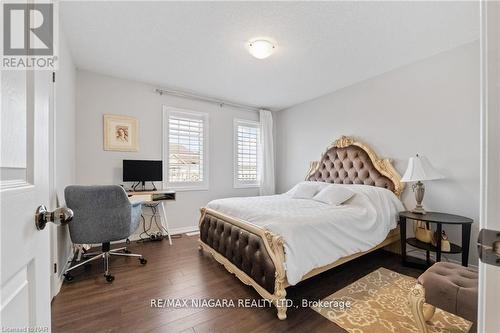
x,y
53,76
55,268
488,246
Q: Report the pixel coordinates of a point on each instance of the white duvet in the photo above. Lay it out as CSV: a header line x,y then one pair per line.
x,y
316,234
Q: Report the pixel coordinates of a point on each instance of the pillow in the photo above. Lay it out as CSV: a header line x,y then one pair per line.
x,y
305,190
334,195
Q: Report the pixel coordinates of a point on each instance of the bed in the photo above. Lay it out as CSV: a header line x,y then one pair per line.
x,y
267,242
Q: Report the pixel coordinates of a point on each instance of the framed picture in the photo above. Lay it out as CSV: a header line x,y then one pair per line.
x,y
121,133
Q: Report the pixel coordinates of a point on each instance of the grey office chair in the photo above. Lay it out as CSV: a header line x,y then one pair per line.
x,y
102,214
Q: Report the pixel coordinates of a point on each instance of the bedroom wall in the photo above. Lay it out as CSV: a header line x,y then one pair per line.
x,y
99,94
430,107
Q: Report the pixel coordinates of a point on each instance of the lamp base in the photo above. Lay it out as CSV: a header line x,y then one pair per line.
x,y
419,210
419,190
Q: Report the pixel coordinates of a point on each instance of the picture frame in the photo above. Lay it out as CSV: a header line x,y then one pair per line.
x,y
121,133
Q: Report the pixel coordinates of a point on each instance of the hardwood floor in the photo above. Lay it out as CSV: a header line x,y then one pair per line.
x,y
90,304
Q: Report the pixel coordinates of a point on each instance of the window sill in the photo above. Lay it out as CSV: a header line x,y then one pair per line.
x,y
238,186
186,188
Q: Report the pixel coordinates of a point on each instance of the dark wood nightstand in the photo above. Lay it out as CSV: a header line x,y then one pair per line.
x,y
439,219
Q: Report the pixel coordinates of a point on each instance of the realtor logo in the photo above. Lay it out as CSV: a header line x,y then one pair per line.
x,y
28,29
28,36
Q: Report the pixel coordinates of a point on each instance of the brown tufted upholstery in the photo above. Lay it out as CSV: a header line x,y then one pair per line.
x,y
453,288
349,165
244,249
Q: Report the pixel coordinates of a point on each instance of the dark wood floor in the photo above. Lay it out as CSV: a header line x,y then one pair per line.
x,y
90,304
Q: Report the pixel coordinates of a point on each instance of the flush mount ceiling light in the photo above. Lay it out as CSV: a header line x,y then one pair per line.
x,y
261,48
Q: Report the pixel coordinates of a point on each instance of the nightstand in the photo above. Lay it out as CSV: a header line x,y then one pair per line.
x,y
439,219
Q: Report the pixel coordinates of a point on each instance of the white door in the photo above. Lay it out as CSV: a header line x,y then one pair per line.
x,y
24,183
489,275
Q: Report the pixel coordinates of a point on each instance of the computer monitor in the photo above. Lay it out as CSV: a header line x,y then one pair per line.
x,y
142,171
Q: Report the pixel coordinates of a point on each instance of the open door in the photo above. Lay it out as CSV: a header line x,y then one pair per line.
x,y
25,288
24,187
489,249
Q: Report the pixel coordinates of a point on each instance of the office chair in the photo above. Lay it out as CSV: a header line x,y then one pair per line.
x,y
102,214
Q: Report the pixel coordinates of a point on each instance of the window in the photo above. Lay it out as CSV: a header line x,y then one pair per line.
x,y
185,155
246,153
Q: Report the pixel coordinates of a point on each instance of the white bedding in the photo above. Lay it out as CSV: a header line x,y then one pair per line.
x,y
330,232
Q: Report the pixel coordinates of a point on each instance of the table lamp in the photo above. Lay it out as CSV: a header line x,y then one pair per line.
x,y
419,169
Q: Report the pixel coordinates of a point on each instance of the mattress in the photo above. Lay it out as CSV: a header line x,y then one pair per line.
x,y
316,234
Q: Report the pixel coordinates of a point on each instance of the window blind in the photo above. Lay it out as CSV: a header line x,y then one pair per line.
x,y
185,149
247,140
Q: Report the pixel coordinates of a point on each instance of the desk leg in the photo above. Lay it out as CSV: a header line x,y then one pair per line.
x,y
165,221
465,244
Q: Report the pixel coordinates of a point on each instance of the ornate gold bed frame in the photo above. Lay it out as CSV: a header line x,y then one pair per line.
x,y
383,165
274,243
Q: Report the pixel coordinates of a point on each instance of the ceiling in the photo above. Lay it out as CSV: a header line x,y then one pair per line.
x,y
200,46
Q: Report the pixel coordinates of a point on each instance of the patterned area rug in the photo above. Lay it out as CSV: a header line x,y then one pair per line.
x,y
379,304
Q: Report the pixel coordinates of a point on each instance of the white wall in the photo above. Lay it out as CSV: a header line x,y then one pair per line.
x,y
430,107
64,150
98,94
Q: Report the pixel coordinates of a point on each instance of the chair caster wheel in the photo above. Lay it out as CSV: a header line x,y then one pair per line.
x,y
109,278
143,261
126,251
68,277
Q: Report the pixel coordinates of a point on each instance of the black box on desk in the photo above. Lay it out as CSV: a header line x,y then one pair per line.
x,y
170,195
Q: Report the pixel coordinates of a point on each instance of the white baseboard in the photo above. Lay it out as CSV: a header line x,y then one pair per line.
x,y
183,230
173,231
420,254
62,270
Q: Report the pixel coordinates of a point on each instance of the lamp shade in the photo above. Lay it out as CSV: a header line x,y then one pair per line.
x,y
419,168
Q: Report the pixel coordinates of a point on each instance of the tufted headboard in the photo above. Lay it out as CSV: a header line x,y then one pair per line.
x,y
348,161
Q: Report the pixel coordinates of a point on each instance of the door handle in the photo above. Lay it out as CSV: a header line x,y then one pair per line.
x,y
488,245
60,216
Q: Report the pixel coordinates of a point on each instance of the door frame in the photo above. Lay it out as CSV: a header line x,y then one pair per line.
x,y
489,152
483,159
57,246
55,282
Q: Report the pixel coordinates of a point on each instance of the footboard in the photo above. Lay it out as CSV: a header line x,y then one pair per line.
x,y
256,256
253,254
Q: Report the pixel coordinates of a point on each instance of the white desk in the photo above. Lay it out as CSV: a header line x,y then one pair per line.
x,y
155,196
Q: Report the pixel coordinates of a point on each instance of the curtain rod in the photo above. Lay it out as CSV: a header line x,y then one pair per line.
x,y
208,99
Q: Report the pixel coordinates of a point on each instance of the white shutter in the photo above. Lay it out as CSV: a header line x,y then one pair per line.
x,y
247,137
186,153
